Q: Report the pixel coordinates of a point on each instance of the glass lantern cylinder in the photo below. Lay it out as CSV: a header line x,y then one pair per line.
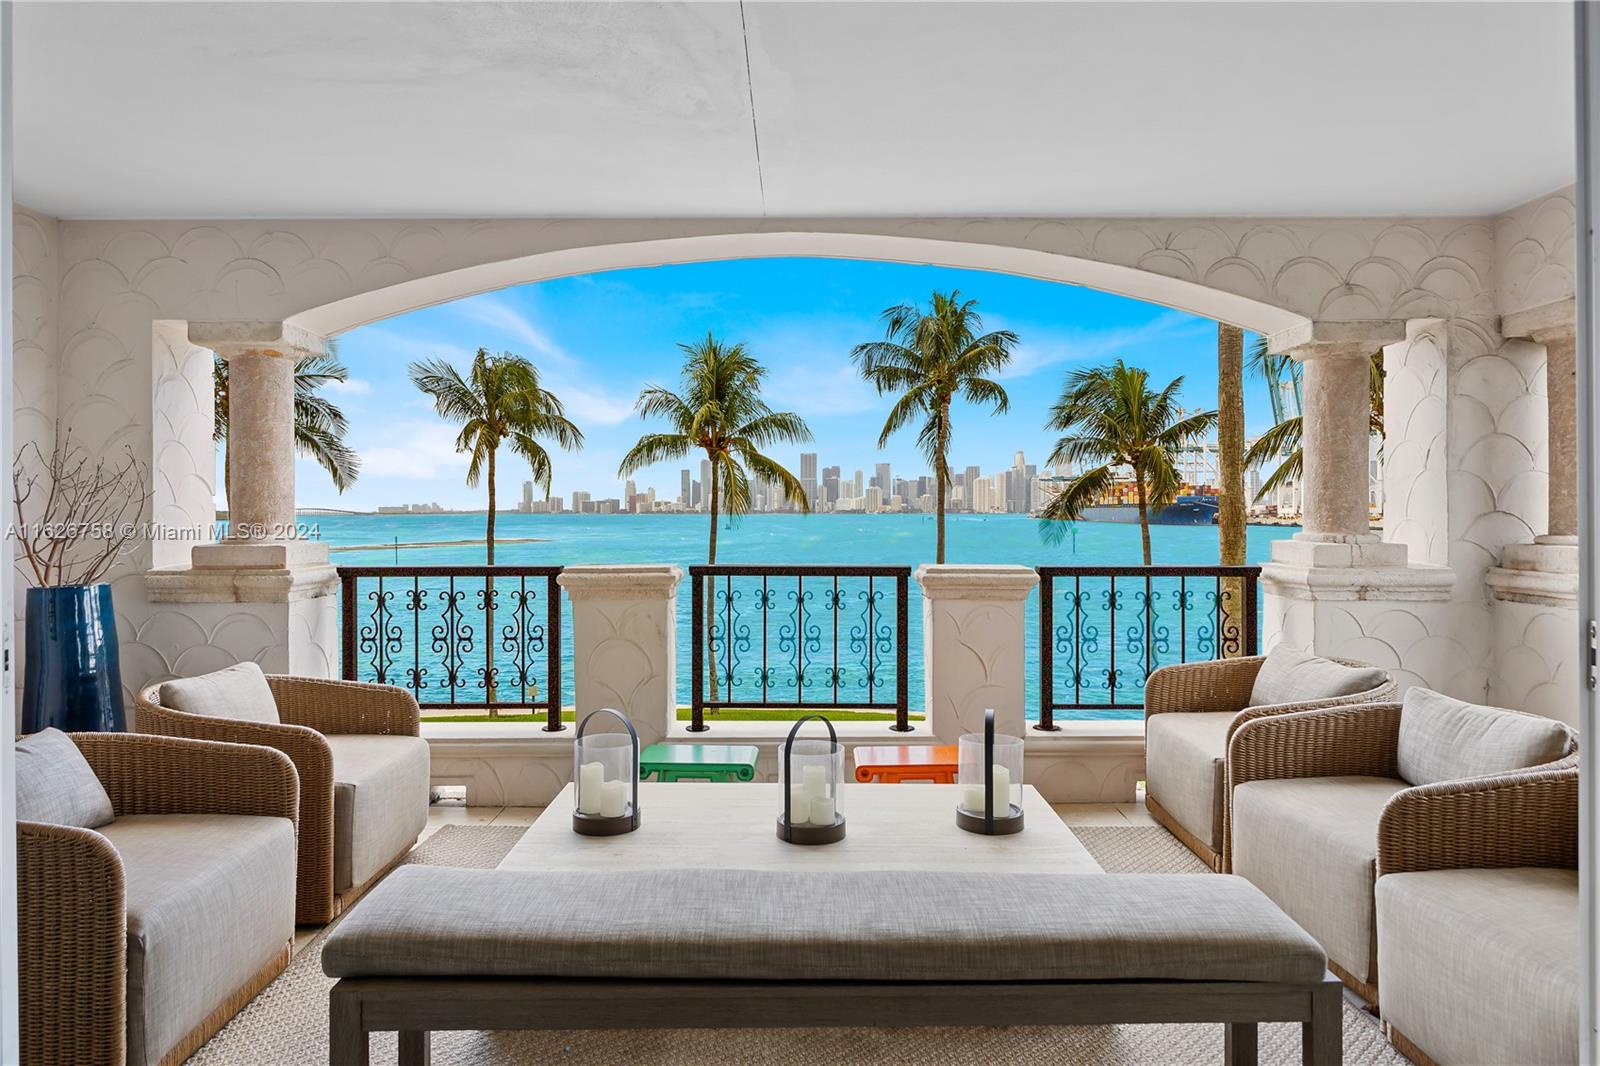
x,y
809,774
989,775
605,779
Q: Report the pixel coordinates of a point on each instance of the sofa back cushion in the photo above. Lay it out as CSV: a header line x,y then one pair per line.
x,y
1290,676
1446,739
56,784
239,692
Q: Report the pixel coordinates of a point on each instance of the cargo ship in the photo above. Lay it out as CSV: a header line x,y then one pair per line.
x,y
1184,511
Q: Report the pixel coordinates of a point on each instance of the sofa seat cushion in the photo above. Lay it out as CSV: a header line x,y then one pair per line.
x,y
1446,739
210,902
56,784
1482,965
1290,676
810,925
1184,758
239,692
380,803
1311,844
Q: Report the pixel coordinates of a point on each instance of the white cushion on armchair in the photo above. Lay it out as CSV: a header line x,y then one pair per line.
x,y
239,692
1446,739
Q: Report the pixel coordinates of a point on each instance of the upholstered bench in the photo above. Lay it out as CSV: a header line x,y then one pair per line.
x,y
441,948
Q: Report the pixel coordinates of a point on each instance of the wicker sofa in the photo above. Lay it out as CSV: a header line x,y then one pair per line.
x,y
1309,791
1477,908
364,771
148,916
1193,709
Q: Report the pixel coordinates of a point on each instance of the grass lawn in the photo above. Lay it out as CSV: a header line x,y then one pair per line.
x,y
741,714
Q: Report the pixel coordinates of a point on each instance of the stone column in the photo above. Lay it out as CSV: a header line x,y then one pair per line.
x,y
1554,325
1335,413
624,643
973,641
286,584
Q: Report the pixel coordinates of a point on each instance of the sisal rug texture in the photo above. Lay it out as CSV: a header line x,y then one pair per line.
x,y
287,1024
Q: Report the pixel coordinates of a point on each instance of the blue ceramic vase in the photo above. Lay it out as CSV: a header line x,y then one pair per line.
x,y
70,675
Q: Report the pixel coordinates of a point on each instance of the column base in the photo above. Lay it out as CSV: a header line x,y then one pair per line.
x,y
1544,572
1351,570
247,572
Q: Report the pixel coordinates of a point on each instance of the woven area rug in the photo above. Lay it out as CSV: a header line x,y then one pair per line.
x,y
287,1024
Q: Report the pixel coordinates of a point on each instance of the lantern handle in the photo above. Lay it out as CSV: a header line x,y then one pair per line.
x,y
633,735
988,773
788,746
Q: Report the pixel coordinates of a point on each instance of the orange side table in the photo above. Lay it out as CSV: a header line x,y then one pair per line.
x,y
893,763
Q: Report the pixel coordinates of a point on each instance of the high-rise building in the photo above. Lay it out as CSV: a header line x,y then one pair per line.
x,y
686,493
629,490
582,502
808,477
884,480
873,501
696,489
527,497
857,486
705,484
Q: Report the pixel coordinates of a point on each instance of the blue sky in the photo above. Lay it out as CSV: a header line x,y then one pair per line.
x,y
599,338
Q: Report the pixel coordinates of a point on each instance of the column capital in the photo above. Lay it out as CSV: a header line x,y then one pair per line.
x,y
230,339
620,582
1314,340
979,582
1552,322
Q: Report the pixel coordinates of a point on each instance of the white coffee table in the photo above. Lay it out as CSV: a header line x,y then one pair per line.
x,y
689,825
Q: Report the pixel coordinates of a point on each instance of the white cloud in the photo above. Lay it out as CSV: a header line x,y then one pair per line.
x,y
589,406
1033,355
353,387
497,314
822,386
427,449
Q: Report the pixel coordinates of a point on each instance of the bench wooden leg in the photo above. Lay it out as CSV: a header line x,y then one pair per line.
x,y
1239,1044
1322,1038
415,1049
347,1040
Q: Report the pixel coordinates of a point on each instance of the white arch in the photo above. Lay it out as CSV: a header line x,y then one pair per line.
x,y
350,312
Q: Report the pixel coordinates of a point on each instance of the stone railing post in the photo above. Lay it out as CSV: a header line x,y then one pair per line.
x,y
974,638
624,642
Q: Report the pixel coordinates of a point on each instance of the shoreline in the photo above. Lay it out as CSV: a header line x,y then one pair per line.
x,y
396,546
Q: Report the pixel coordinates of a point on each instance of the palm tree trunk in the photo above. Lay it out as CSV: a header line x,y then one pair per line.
x,y
227,472
711,583
939,476
488,599
1144,516
1231,532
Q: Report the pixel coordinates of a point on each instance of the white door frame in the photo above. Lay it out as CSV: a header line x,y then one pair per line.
x,y
1587,37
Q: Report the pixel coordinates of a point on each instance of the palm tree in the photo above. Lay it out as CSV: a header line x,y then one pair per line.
x,y
319,425
929,357
1112,418
1283,442
500,400
720,412
1231,531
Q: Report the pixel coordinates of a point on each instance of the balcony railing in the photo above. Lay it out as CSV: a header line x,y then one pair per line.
x,y
457,637
1104,629
799,638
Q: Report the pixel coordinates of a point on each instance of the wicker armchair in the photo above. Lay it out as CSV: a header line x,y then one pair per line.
x,y
1314,848
1477,918
319,719
74,891
1184,779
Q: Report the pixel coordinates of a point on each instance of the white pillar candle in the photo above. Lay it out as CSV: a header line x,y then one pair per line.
x,y
613,799
799,805
591,777
974,801
1002,790
822,810
815,780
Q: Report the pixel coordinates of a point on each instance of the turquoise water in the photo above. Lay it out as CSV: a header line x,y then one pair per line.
x,y
800,619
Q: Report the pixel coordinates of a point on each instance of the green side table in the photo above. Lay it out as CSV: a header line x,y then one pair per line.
x,y
699,762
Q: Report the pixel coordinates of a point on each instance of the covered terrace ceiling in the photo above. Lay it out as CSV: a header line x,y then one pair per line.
x,y
309,110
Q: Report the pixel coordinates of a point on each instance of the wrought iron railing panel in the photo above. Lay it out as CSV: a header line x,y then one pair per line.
x,y
457,637
799,637
1103,630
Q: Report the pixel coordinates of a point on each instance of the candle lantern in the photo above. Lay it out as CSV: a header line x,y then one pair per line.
x,y
989,772
605,779
809,776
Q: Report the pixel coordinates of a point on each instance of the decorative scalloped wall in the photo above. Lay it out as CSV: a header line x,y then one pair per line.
x,y
124,376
